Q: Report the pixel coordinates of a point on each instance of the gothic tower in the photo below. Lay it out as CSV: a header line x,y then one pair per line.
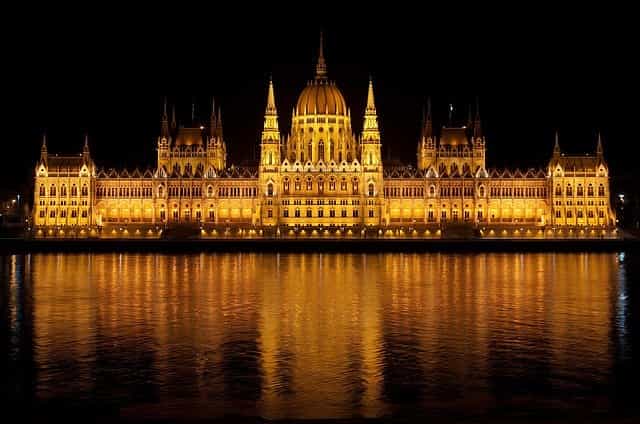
x,y
427,144
269,160
216,147
371,161
164,140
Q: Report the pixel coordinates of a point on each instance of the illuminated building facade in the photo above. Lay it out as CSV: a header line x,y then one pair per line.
x,y
321,178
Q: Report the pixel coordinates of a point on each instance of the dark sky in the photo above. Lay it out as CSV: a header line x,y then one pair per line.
x,y
534,71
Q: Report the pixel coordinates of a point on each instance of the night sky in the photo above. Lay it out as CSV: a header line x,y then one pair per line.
x,y
534,71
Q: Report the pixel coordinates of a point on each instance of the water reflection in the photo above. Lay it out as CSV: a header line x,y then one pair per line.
x,y
318,335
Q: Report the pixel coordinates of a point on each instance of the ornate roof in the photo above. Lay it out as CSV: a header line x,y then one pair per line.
x,y
321,97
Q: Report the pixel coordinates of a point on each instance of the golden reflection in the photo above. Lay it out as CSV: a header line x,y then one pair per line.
x,y
284,333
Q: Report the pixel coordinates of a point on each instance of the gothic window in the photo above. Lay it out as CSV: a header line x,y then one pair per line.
x,y
309,184
432,190
343,185
297,213
339,157
355,186
63,190
321,150
371,189
330,143
580,190
310,150
270,189
482,191
590,190
42,190
285,213
285,186
210,191
320,186
558,190
85,190
601,190
332,184
52,190
309,213
297,185
74,190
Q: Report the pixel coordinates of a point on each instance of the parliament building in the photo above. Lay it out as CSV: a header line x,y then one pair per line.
x,y
324,180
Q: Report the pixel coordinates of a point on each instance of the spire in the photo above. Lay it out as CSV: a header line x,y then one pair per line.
x,y
212,118
271,99
219,124
370,127
556,146
427,124
164,125
371,105
477,124
321,66
270,131
193,112
85,149
173,117
599,150
43,149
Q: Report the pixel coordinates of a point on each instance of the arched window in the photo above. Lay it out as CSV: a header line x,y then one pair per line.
x,y
558,190
371,189
160,191
432,190
310,151
42,190
309,184
321,151
580,191
590,190
74,190
481,191
355,186
85,190
270,189
330,143
52,190
569,190
600,190
63,190
285,186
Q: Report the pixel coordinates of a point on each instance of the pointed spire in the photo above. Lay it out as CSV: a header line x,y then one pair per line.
x,y
174,124
193,112
43,149
321,66
271,99
164,124
219,124
556,146
371,105
85,148
599,149
477,125
212,118
427,124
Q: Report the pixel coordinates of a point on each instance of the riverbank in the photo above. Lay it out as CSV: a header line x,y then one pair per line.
x,y
318,245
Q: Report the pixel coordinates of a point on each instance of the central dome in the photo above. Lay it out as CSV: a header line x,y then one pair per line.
x,y
321,97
